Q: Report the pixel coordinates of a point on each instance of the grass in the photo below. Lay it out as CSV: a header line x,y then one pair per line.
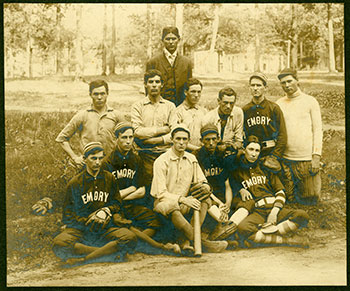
x,y
36,166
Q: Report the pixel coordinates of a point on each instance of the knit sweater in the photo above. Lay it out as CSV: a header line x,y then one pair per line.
x,y
303,121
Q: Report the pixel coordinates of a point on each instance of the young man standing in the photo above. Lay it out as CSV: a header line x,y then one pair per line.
x,y
176,69
301,158
127,168
190,113
228,118
92,124
267,192
91,213
174,172
264,119
152,118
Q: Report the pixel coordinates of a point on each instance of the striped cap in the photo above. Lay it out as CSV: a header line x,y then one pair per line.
x,y
260,76
209,128
122,125
94,145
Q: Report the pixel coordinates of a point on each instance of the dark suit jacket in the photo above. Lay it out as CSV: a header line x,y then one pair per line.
x,y
174,77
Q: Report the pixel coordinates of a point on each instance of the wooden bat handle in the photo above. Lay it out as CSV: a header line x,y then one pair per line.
x,y
197,241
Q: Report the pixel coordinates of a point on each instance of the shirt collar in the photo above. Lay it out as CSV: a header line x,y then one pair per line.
x,y
88,177
169,55
295,94
108,109
262,104
187,106
218,115
148,101
174,157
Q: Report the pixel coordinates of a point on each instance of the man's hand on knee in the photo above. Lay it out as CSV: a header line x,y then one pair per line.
x,y
190,201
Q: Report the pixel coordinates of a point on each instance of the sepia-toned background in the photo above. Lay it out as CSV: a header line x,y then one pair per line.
x,y
51,52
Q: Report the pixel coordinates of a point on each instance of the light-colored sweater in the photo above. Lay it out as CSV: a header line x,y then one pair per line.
x,y
302,116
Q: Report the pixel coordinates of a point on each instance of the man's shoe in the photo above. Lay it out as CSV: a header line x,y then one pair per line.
x,y
214,246
223,230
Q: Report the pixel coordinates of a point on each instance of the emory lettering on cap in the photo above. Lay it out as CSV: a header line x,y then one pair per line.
x,y
254,181
258,120
95,196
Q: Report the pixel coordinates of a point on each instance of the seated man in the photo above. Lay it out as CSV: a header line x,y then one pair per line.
x,y
91,214
216,167
267,191
127,168
174,172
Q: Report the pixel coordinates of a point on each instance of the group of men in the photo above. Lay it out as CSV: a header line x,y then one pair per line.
x,y
144,179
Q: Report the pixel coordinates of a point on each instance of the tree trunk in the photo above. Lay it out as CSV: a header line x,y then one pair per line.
x,y
330,40
179,8
294,49
150,30
79,67
112,59
257,40
59,68
29,72
104,46
215,28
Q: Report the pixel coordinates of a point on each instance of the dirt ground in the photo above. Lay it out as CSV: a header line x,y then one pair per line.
x,y
324,263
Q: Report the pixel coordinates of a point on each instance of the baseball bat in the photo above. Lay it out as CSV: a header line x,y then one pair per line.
x,y
197,241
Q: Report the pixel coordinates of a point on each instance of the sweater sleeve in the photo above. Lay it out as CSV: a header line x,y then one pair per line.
x,y
316,127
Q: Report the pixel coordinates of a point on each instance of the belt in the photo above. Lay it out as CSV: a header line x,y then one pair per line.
x,y
264,201
269,143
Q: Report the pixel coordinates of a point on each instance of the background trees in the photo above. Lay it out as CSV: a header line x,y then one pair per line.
x,y
47,39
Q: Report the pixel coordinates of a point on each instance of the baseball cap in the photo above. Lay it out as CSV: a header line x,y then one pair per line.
x,y
259,75
122,125
209,128
287,72
170,29
89,147
180,127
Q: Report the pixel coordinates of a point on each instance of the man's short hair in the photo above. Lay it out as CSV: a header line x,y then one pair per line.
x,y
227,91
151,73
192,81
92,148
288,72
97,84
121,127
170,29
250,139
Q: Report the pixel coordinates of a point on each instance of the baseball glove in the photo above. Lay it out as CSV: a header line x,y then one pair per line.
x,y
271,162
42,206
200,191
99,219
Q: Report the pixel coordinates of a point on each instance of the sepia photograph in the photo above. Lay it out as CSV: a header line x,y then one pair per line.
x,y
174,144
